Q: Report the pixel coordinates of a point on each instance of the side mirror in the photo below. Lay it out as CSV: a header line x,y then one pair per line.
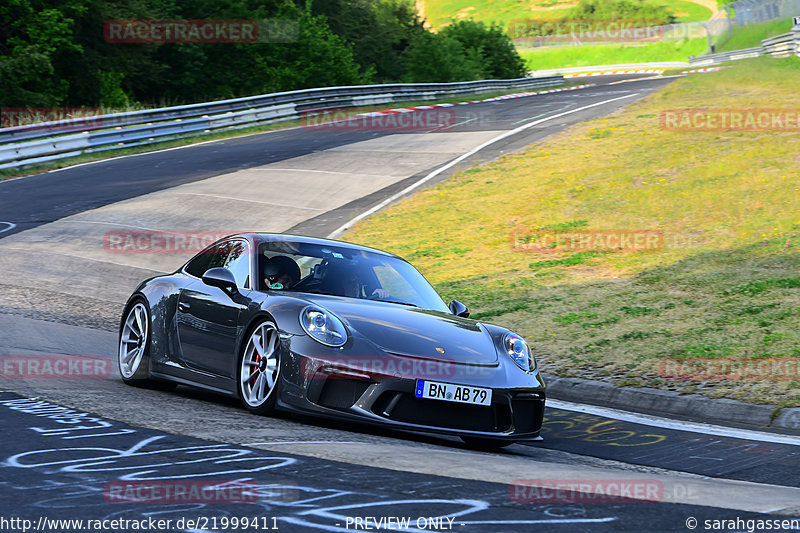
x,y
220,277
459,309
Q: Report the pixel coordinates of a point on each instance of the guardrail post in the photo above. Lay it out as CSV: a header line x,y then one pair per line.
x,y
796,36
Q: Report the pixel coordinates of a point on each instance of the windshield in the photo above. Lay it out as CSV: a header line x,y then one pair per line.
x,y
344,272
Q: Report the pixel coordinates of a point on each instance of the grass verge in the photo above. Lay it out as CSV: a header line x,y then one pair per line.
x,y
750,36
589,55
725,284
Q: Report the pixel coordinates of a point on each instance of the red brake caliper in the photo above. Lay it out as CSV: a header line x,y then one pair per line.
x,y
258,359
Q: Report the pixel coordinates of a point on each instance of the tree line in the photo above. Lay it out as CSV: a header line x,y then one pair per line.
x,y
55,52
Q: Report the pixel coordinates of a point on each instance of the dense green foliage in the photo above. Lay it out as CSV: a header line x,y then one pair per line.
x,y
465,50
380,32
54,53
621,10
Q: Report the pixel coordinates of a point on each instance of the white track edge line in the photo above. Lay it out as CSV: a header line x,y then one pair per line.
x,y
680,425
341,229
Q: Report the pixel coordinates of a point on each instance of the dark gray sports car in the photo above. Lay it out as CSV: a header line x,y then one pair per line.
x,y
333,329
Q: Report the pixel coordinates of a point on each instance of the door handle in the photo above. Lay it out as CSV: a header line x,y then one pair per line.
x,y
183,307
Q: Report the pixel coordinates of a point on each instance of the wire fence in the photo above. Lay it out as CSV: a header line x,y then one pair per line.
x,y
747,12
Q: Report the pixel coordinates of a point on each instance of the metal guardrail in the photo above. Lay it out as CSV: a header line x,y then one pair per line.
x,y
45,129
47,141
722,57
783,45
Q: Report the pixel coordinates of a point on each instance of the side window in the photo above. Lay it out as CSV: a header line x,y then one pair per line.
x,y
211,257
238,262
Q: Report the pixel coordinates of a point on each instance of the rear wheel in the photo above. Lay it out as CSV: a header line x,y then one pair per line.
x,y
259,369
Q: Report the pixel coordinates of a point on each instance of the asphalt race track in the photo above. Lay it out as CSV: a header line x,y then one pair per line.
x,y
51,477
62,292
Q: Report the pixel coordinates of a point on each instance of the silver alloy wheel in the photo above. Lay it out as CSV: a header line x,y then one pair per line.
x,y
133,340
260,367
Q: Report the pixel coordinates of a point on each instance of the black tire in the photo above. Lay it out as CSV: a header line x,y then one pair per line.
x,y
484,443
259,377
133,349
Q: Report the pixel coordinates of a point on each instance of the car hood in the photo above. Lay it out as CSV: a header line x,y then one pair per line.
x,y
415,332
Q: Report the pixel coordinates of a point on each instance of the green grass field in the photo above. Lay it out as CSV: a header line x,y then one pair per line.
x,y
441,12
750,36
725,284
577,56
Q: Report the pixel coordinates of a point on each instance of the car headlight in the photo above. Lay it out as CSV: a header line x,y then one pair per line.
x,y
518,350
323,326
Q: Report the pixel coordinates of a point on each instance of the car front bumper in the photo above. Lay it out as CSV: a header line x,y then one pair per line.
x,y
515,414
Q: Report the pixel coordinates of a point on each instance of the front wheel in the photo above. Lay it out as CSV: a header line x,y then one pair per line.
x,y
259,369
134,345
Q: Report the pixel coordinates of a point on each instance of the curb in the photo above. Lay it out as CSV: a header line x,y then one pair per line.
x,y
640,71
493,99
611,72
709,69
671,404
614,67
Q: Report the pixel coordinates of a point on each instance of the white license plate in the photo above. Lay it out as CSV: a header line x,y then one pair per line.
x,y
453,393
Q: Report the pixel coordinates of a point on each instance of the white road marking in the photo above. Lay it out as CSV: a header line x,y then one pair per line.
x,y
462,157
9,226
632,80
106,223
153,152
250,201
145,153
314,170
281,130
680,425
567,106
464,122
